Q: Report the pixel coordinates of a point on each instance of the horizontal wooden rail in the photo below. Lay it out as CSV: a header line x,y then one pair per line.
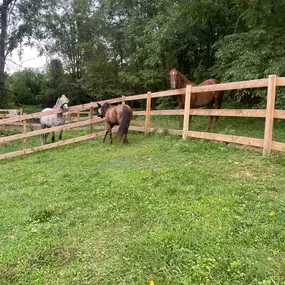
x,y
229,112
139,113
231,86
157,131
279,114
72,109
280,81
49,130
167,112
52,145
278,146
227,138
167,93
212,112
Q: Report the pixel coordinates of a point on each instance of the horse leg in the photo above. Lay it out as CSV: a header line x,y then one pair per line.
x,y
60,135
190,119
108,130
218,105
111,138
104,139
44,137
52,138
215,122
209,123
209,106
181,119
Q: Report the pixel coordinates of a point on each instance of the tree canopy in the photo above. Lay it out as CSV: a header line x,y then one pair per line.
x,y
111,48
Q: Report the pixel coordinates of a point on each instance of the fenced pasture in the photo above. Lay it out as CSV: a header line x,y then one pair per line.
x,y
269,114
164,209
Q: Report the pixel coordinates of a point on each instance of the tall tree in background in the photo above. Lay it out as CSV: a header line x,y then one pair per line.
x,y
18,21
255,49
70,33
109,48
25,86
54,85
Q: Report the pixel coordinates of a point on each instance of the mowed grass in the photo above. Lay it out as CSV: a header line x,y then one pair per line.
x,y
162,209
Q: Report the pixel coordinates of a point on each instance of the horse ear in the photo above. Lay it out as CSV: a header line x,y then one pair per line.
x,y
176,66
169,67
99,105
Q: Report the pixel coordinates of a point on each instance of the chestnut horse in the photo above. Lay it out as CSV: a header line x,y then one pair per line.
x,y
209,98
116,115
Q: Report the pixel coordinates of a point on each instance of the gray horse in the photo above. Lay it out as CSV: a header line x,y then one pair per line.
x,y
54,119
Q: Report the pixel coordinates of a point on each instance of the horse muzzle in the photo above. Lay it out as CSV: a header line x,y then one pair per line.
x,y
64,107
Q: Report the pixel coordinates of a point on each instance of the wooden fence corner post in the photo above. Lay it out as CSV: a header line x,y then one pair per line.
x,y
147,115
269,119
123,100
91,117
186,111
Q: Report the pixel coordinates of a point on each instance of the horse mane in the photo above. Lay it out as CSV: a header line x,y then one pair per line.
x,y
185,78
60,101
56,106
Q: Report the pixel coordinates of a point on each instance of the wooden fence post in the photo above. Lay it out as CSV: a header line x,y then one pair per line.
x,y
147,115
186,111
269,119
123,100
91,117
25,131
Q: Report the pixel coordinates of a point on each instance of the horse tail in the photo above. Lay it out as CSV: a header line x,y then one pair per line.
x,y
125,121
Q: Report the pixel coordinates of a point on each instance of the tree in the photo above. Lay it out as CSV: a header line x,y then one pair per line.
x,y
25,86
54,85
18,21
71,33
255,49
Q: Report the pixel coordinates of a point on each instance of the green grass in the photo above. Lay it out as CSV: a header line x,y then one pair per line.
x,y
177,212
249,127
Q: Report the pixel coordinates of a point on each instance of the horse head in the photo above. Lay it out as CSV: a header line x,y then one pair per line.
x,y
173,77
102,109
62,103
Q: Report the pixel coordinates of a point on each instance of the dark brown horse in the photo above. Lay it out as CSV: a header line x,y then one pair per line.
x,y
116,115
210,98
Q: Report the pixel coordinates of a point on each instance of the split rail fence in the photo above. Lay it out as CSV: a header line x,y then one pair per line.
x,y
270,113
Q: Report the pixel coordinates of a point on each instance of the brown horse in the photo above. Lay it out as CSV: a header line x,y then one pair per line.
x,y
210,98
116,115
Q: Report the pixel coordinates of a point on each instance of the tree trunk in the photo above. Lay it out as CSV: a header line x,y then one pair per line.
x,y
3,36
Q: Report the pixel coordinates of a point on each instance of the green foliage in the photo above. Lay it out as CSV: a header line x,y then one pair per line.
x,y
25,86
55,83
109,49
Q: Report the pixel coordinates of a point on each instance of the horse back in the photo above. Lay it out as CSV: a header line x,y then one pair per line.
x,y
208,97
115,113
209,82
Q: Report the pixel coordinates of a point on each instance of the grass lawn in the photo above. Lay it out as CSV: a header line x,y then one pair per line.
x,y
162,209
